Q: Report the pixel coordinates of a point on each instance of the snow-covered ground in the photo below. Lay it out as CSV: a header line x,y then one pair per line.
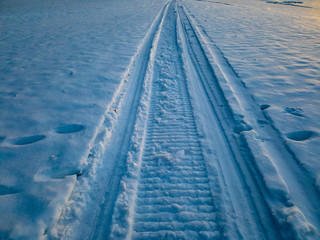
x,y
275,50
61,62
159,119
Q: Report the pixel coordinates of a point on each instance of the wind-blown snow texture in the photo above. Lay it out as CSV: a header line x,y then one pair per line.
x,y
159,119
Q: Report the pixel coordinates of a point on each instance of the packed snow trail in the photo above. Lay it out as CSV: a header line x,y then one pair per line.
x,y
173,193
172,188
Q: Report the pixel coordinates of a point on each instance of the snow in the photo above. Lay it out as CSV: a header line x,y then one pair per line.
x,y
274,50
256,139
159,119
61,64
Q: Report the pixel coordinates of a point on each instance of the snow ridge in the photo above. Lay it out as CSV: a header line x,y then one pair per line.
x,y
123,213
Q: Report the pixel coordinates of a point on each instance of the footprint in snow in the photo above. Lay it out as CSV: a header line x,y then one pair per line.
x,y
56,173
295,111
69,128
262,122
21,141
242,127
300,135
5,190
26,140
264,107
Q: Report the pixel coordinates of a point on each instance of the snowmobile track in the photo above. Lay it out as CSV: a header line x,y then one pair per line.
x,y
172,189
173,195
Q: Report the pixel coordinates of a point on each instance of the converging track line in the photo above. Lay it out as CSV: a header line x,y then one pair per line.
x,y
172,188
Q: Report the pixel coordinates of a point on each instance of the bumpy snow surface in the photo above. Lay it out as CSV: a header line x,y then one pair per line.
x,y
179,119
